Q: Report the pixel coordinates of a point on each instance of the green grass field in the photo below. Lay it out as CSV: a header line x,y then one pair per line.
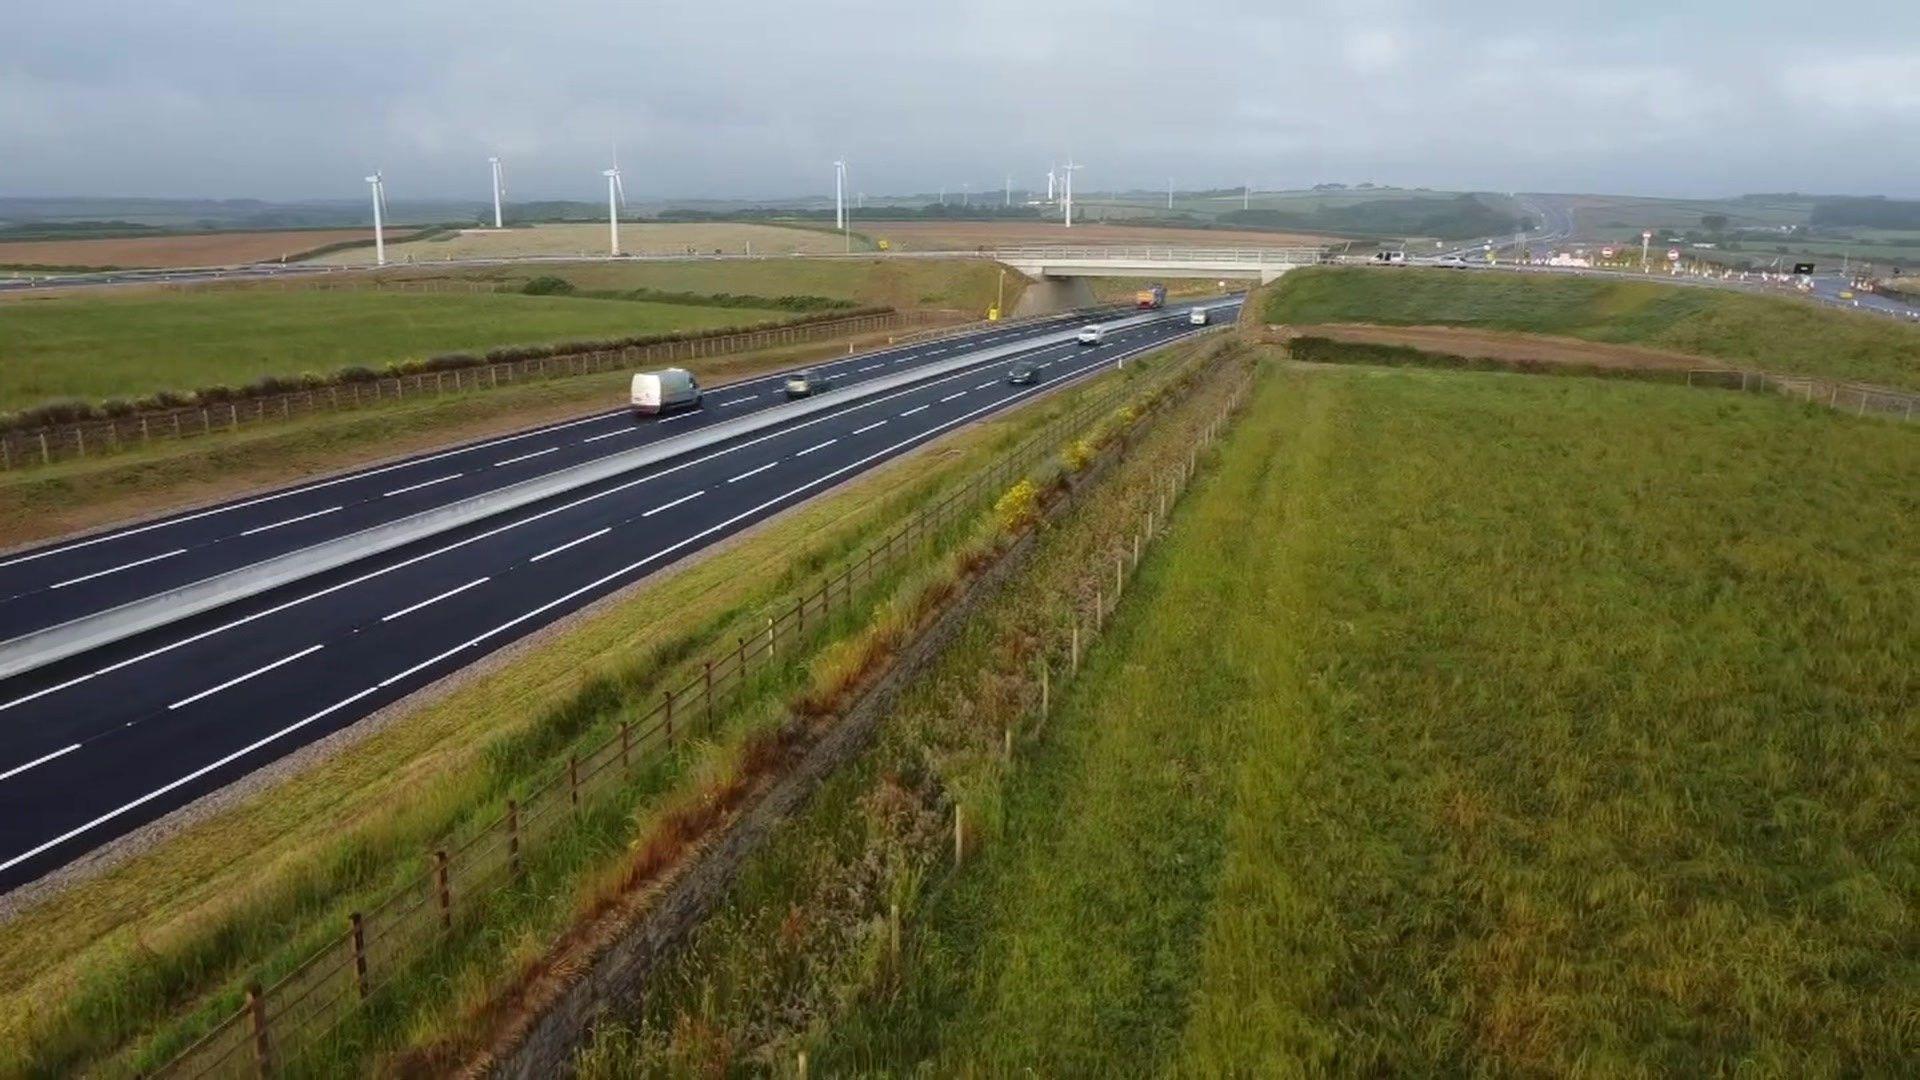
x,y
1470,724
968,285
1781,335
95,347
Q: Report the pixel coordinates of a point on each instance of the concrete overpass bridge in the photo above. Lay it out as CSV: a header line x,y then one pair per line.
x,y
1265,263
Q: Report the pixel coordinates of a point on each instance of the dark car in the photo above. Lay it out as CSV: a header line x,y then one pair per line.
x,y
1023,375
806,384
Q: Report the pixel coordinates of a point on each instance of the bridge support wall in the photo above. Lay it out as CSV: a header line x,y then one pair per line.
x,y
1049,294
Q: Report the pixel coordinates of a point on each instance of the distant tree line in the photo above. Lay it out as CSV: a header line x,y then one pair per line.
x,y
1875,212
1461,217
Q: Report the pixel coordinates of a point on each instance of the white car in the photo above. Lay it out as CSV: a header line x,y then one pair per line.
x,y
1092,334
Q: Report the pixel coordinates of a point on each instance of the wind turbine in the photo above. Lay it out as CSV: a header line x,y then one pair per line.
x,y
499,189
840,194
614,190
379,186
1246,194
1009,191
1050,195
1067,195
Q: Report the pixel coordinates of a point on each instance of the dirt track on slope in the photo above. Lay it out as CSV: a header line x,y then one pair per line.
x,y
1505,346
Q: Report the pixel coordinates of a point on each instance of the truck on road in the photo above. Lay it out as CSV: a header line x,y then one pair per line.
x,y
1153,296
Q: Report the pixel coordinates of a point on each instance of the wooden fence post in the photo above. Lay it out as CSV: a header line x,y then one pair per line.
x,y
709,694
1043,687
513,837
443,889
771,644
262,1045
626,745
573,782
359,953
959,834
1073,646
669,723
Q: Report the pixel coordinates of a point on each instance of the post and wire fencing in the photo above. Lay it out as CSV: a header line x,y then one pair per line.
x,y
23,448
1860,399
280,1020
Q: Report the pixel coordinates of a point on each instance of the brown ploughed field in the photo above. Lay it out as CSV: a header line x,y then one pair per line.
x,y
190,249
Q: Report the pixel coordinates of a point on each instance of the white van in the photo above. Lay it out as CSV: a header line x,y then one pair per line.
x,y
1197,316
663,390
1091,334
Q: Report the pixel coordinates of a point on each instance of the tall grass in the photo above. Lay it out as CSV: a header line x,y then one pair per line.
x,y
1471,724
1778,334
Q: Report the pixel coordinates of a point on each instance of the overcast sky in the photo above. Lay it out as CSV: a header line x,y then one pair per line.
x,y
277,99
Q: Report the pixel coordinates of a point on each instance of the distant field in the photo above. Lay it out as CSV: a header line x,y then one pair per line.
x,y
636,238
1467,725
94,345
1782,335
958,284
187,249
969,235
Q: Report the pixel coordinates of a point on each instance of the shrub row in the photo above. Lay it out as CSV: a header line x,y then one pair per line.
x,y
551,285
73,410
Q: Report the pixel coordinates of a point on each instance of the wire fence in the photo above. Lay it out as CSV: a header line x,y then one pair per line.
x,y
92,438
281,1020
1859,399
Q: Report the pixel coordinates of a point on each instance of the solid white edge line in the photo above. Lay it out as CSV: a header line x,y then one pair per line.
x,y
187,779
436,599
41,760
291,520
238,679
117,569
664,507
417,487
751,472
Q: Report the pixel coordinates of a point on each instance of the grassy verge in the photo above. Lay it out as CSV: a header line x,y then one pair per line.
x,y
802,942
95,346
87,493
119,971
962,284
1467,724
1781,335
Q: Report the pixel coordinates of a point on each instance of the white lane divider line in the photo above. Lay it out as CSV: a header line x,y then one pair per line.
x,y
292,520
422,484
664,507
595,535
604,435
117,569
41,760
737,401
681,416
752,472
238,679
950,397
816,446
436,599
523,457
918,408
869,367
869,427
989,382
187,779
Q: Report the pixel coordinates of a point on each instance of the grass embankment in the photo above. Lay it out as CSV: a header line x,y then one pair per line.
x,y
1781,335
101,975
590,239
97,346
88,493
1469,724
803,937
969,285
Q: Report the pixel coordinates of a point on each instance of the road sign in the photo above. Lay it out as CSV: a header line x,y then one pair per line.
x,y
1673,254
1803,268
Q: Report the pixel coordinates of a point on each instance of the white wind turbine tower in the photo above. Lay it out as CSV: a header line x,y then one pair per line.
x,y
840,193
379,186
1067,192
615,190
1050,169
499,189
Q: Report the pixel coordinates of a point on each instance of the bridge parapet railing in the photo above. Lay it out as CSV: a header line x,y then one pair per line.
x,y
1245,256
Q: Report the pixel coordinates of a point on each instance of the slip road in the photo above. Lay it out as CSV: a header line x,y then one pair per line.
x,y
99,744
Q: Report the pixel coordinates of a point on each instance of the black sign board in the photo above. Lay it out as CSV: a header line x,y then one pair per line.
x,y
1803,268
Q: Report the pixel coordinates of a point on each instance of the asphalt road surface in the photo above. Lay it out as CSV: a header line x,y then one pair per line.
x,y
54,583
104,742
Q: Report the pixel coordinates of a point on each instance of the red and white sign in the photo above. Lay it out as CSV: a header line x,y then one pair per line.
x,y
1673,254
1606,253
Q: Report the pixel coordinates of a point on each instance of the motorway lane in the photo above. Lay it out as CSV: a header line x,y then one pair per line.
x,y
51,584
95,746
